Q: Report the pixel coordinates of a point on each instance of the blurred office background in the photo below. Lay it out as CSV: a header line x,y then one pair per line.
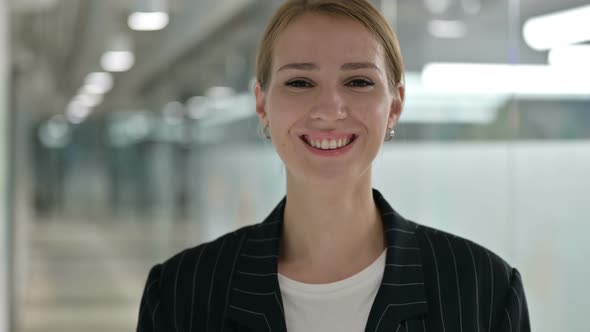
x,y
129,132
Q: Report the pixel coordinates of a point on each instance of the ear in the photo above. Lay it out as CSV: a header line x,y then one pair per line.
x,y
261,104
397,105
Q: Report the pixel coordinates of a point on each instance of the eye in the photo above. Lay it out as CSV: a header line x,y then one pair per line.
x,y
360,83
299,84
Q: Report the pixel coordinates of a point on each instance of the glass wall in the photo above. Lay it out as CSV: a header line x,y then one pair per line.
x,y
493,145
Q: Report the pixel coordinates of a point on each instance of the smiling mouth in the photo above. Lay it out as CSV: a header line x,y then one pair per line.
x,y
329,144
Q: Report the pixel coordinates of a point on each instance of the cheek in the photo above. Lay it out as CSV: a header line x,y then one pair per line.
x,y
282,114
284,110
372,111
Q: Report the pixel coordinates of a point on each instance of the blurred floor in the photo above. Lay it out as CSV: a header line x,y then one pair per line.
x,y
89,276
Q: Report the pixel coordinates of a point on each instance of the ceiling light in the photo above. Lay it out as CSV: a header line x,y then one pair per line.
x,y
427,106
76,112
570,56
89,100
558,29
117,61
448,29
493,79
98,83
148,21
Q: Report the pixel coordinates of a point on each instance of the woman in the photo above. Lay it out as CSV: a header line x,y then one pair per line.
x,y
333,255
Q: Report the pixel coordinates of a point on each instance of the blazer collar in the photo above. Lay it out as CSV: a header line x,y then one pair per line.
x,y
255,299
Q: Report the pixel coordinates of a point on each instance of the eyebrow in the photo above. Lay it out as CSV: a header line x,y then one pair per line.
x,y
359,65
309,66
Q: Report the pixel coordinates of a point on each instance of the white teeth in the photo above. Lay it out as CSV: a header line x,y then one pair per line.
x,y
331,144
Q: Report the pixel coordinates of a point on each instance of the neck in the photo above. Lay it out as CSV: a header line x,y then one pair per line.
x,y
330,225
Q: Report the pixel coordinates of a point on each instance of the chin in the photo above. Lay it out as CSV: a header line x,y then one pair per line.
x,y
330,177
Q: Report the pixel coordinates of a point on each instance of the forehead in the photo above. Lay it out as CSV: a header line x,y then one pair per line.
x,y
326,38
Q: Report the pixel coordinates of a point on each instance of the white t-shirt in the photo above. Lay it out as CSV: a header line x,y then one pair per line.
x,y
342,306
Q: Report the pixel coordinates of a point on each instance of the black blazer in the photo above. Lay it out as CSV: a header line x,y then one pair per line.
x,y
433,281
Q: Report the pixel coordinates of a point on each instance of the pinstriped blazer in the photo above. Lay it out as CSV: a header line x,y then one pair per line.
x,y
433,281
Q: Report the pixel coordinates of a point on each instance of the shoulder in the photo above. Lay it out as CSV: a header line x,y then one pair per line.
x,y
202,260
193,282
464,279
449,252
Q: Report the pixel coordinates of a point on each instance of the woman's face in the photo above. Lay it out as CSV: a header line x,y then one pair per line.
x,y
328,102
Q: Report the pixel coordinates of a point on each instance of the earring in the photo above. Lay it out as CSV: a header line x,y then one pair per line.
x,y
266,131
389,134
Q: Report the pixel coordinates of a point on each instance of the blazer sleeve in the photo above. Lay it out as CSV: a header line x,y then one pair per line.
x,y
150,302
514,315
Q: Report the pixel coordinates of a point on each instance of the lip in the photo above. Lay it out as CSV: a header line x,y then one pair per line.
x,y
327,135
329,153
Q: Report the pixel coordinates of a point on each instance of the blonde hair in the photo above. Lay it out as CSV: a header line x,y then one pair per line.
x,y
361,11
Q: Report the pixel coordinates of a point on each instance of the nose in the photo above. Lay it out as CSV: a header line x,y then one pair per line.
x,y
330,105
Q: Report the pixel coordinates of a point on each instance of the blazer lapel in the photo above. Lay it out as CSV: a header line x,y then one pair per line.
x,y
255,299
401,295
